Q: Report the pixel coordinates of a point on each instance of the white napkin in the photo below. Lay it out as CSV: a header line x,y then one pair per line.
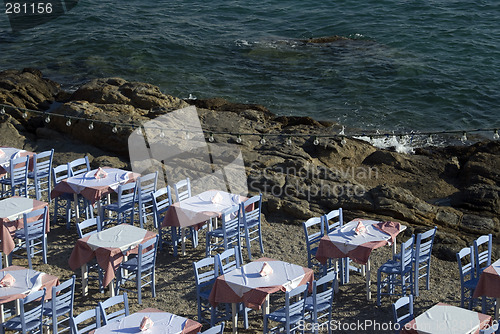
x,y
266,269
217,198
2,153
38,284
360,228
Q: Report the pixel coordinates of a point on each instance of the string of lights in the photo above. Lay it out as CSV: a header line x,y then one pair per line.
x,y
210,134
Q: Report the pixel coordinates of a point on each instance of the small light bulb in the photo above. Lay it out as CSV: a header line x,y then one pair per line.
x,y
238,139
495,135
114,129
25,114
47,119
343,141
211,138
188,135
139,131
262,141
464,137
316,141
162,134
91,126
2,111
430,140
289,141
68,122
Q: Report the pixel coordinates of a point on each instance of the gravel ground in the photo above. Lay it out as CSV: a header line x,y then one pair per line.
x,y
176,292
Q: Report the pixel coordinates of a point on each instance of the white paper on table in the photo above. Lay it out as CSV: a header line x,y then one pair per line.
x,y
26,280
12,208
164,323
446,319
114,178
203,203
124,237
346,239
10,153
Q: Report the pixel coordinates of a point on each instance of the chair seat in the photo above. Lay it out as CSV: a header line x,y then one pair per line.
x,y
251,223
8,180
47,309
15,324
204,294
280,316
320,307
132,265
393,267
31,175
219,233
116,208
472,283
19,234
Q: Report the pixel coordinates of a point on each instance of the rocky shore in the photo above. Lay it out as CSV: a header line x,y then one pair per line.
x,y
456,188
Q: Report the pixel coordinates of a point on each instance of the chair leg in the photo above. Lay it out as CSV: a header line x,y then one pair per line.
x,y
139,287
153,281
44,252
379,287
247,240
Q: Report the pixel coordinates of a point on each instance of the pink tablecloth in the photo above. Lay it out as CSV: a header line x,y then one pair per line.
x,y
123,240
489,282
444,318
11,217
91,188
344,242
22,285
12,153
200,208
163,322
252,289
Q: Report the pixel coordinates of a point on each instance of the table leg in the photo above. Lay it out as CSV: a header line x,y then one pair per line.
x,y
265,306
497,309
85,279
8,260
337,270
18,306
77,209
183,240
2,316
394,248
234,313
111,287
99,213
368,280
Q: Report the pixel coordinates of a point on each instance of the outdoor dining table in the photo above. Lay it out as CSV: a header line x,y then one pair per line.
x,y
92,188
11,217
246,285
110,247
345,242
13,153
445,319
26,281
489,285
163,323
199,209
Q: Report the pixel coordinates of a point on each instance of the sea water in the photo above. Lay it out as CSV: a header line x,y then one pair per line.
x,y
415,66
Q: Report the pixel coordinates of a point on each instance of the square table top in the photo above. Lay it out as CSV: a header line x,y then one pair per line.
x,y
26,280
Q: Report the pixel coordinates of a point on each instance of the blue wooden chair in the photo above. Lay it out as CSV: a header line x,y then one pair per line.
x,y
64,201
161,200
17,177
34,234
291,316
422,257
468,279
404,303
61,305
182,189
394,268
482,253
219,329
250,223
320,304
228,235
140,269
314,230
333,220
146,185
205,273
42,166
116,315
124,207
79,166
86,228
30,316
83,318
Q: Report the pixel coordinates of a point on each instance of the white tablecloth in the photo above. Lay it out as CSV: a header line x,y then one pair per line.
x,y
114,178
124,237
164,323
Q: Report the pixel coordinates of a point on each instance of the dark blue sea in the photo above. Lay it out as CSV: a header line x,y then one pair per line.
x,y
420,65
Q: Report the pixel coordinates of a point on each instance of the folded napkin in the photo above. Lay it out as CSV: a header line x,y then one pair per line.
x,y
2,153
266,269
360,228
7,280
100,173
146,324
217,198
38,284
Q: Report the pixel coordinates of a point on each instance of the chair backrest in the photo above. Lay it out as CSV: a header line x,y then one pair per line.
x,y
147,253
230,219
295,302
110,302
18,169
482,253
323,288
31,309
228,260
405,303
407,253
255,213
42,162
333,220
79,166
182,189
466,267
35,221
92,224
423,244
146,185
83,318
314,230
204,274
59,173
63,297
219,329
126,193
162,199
